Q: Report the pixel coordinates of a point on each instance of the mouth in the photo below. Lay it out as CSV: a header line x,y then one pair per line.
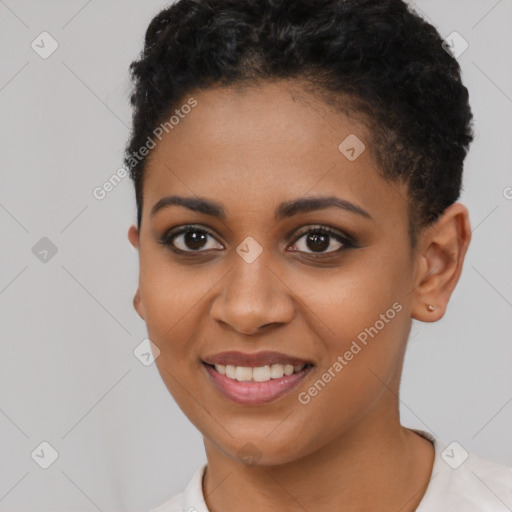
x,y
258,373
255,385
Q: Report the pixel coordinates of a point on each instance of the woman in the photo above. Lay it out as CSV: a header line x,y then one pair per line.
x,y
296,167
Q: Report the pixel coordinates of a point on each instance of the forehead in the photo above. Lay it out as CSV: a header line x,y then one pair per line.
x,y
273,142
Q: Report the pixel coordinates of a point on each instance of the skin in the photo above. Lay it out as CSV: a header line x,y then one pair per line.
x,y
250,150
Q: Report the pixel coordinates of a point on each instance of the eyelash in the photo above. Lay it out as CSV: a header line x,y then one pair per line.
x,y
347,241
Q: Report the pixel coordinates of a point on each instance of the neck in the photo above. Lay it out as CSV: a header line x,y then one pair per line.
x,y
378,465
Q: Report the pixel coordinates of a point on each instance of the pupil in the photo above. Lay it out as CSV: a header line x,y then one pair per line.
x,y
194,240
318,241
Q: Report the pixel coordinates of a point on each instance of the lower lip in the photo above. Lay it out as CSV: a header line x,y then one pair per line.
x,y
255,393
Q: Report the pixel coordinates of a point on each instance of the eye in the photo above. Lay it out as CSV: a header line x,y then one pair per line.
x,y
190,239
319,239
194,239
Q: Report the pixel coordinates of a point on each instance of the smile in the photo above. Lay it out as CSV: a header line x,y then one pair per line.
x,y
259,373
256,385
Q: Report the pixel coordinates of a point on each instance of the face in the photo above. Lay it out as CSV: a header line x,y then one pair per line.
x,y
328,285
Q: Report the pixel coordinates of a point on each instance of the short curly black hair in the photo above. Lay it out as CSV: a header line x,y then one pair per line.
x,y
375,58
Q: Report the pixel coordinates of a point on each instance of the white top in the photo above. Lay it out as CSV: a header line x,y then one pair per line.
x,y
460,482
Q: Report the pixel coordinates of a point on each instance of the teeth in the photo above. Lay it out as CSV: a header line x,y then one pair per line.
x,y
259,373
230,371
243,373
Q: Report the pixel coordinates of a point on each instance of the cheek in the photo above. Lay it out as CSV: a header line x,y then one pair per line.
x,y
359,315
345,300
359,369
361,320
173,301
171,294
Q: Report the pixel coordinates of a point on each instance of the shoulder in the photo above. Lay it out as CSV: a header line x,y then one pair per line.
x,y
477,485
463,481
174,504
189,500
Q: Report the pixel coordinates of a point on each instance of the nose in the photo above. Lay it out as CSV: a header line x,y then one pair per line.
x,y
252,299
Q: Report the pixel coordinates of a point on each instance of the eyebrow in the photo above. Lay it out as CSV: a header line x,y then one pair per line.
x,y
284,210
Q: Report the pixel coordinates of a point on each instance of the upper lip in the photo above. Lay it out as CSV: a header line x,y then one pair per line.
x,y
255,359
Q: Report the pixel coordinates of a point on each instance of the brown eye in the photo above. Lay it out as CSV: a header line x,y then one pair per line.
x,y
319,240
192,239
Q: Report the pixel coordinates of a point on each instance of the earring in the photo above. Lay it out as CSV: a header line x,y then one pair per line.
x,y
430,307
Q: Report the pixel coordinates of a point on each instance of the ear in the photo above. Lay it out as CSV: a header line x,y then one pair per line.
x,y
133,237
442,248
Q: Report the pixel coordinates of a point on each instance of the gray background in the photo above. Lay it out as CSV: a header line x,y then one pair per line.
x,y
68,375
